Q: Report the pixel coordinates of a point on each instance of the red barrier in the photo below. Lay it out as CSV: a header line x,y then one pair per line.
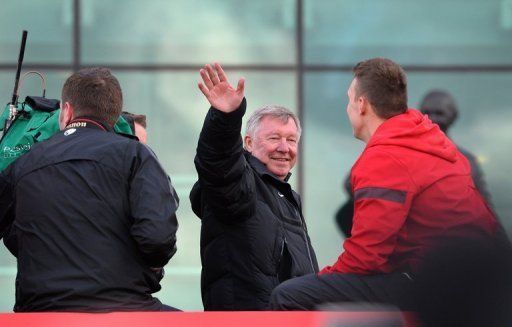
x,y
207,319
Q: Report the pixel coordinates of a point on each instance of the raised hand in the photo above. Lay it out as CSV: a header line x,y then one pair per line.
x,y
218,91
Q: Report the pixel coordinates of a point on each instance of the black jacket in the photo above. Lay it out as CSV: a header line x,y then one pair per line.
x,y
253,234
87,213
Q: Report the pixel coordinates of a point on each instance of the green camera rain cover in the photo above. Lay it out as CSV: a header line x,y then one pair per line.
x,y
32,126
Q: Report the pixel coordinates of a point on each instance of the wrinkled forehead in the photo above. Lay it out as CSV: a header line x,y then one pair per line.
x,y
273,124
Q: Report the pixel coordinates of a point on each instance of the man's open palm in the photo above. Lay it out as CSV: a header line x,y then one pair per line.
x,y
218,91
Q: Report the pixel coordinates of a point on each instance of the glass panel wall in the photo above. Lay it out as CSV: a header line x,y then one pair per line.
x,y
31,84
436,32
156,49
50,29
199,31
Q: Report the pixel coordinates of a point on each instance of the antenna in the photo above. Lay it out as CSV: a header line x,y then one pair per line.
x,y
18,71
14,102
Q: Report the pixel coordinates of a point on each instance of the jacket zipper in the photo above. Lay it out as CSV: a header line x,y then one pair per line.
x,y
304,232
283,242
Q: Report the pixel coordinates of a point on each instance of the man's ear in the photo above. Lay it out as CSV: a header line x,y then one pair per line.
x,y
362,105
66,114
248,143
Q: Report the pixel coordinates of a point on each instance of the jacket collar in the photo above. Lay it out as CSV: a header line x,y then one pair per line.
x,y
89,122
261,169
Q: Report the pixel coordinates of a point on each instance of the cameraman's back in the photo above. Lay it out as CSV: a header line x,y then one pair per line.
x,y
93,212
72,233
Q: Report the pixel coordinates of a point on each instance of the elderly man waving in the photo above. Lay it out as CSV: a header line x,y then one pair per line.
x,y
253,233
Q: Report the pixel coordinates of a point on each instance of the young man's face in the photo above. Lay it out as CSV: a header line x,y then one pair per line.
x,y
275,144
353,107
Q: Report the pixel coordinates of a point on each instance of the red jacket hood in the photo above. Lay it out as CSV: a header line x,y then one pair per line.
x,y
407,129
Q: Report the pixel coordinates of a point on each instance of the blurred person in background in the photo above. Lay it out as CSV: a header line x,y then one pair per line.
x,y
441,108
344,215
137,124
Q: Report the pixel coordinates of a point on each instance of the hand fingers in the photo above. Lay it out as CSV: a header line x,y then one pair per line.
x,y
204,89
213,75
206,79
220,72
241,86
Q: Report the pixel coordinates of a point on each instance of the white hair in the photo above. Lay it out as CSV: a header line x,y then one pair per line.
x,y
273,111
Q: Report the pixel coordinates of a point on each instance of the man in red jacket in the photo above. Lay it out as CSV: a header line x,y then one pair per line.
x,y
412,188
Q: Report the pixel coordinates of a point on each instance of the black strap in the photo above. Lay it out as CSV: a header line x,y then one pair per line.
x,y
87,122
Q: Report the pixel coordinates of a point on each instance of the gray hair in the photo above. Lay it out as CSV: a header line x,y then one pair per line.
x,y
277,112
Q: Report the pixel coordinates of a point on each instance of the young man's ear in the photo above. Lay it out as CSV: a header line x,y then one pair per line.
x,y
66,114
248,143
362,105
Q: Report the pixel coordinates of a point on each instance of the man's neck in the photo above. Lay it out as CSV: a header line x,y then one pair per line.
x,y
88,122
372,125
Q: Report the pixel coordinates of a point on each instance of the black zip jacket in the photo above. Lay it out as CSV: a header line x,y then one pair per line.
x,y
253,234
88,214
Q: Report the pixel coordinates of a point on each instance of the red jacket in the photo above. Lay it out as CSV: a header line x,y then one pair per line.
x,y
411,186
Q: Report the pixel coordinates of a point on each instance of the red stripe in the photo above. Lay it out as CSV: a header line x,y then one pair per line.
x,y
90,121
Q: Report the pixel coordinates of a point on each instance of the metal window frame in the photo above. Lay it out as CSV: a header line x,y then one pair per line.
x,y
300,68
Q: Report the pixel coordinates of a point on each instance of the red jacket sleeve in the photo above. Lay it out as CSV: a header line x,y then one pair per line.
x,y
383,191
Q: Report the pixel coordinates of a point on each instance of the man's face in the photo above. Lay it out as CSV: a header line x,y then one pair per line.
x,y
438,116
353,110
275,144
141,133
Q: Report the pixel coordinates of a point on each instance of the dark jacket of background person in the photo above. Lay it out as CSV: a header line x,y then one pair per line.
x,y
411,187
441,108
253,234
344,215
93,213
